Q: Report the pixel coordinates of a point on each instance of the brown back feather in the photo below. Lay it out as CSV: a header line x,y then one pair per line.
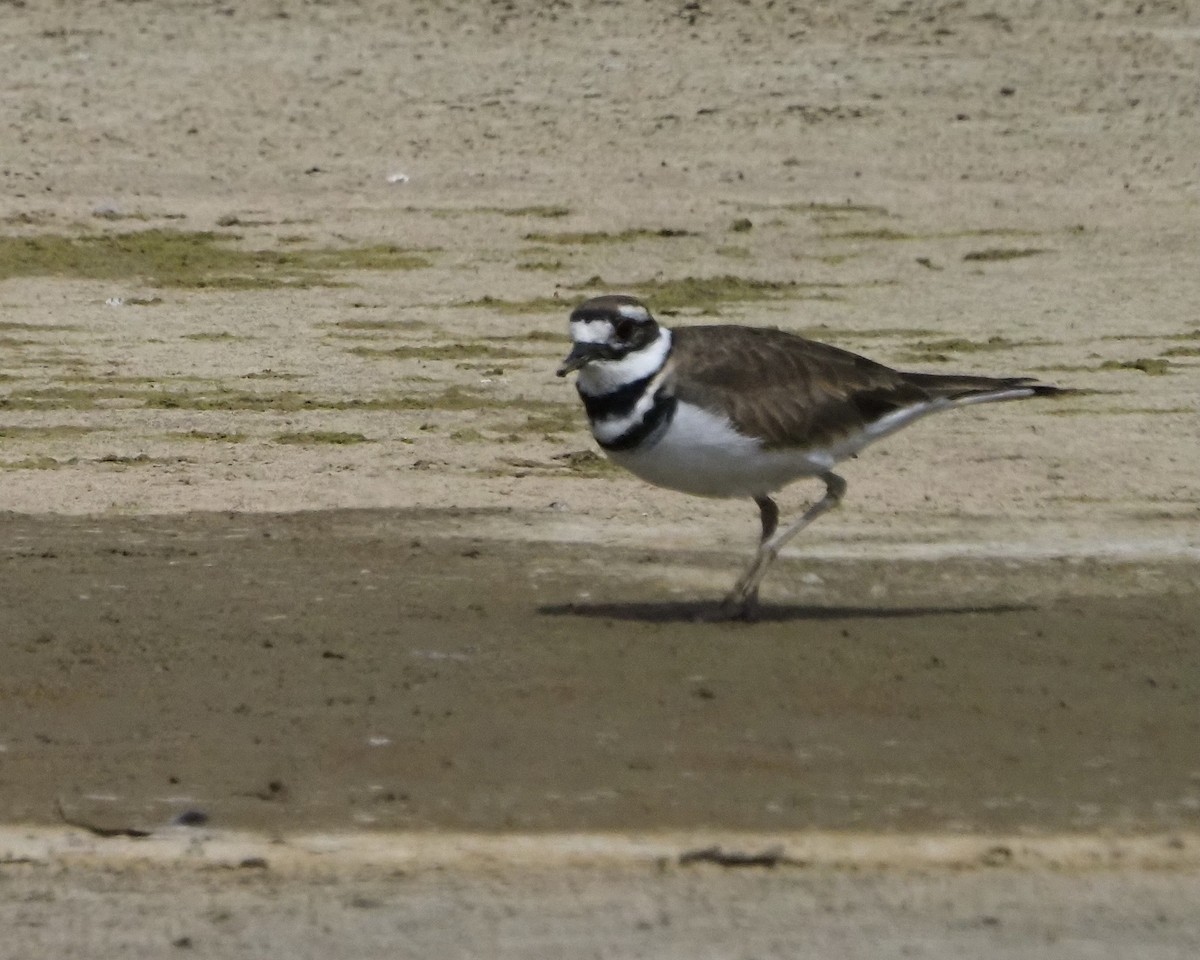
x,y
788,390
797,392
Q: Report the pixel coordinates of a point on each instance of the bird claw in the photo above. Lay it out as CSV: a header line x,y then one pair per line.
x,y
740,605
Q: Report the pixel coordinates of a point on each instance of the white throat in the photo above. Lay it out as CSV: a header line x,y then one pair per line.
x,y
604,376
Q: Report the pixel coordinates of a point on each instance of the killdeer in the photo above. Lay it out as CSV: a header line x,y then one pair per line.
x,y
733,411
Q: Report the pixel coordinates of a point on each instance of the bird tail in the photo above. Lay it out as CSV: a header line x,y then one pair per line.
x,y
964,390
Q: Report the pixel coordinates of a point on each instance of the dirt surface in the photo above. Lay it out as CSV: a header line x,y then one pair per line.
x,y
327,670
602,912
301,531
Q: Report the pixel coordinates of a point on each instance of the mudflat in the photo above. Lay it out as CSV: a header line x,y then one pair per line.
x,y
359,669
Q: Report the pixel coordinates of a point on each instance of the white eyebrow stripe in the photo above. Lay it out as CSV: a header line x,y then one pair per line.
x,y
633,311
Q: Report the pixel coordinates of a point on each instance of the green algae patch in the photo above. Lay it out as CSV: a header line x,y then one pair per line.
x,y
814,207
706,294
1154,366
575,463
291,401
998,254
215,336
54,432
207,436
567,418
1057,411
888,234
195,260
532,336
62,397
376,257
116,461
838,209
36,463
1185,335
833,334
12,325
335,437
542,211
272,375
518,307
587,463
451,399
587,237
133,460
962,345
364,326
880,233
937,351
445,351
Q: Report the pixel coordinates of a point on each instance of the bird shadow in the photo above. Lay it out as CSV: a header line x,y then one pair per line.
x,y
691,611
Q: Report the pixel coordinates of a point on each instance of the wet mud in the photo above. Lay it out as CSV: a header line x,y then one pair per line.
x,y
368,669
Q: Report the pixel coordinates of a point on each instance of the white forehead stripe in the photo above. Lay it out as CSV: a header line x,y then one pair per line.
x,y
634,311
591,331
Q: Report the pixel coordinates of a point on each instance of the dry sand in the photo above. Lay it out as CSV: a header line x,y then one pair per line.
x,y
311,547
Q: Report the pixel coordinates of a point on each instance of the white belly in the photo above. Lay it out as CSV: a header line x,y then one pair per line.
x,y
700,453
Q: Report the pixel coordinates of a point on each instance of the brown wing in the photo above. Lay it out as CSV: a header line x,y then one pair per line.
x,y
790,391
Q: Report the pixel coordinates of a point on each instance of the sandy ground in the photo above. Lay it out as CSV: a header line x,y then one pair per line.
x,y
321,552
257,906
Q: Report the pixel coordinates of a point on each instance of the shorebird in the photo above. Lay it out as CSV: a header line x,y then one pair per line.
x,y
736,411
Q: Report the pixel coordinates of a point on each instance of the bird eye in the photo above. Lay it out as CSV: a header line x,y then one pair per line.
x,y
624,329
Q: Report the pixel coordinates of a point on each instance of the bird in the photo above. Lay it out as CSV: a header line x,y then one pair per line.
x,y
726,410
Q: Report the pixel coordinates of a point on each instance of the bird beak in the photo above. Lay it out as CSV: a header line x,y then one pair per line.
x,y
580,356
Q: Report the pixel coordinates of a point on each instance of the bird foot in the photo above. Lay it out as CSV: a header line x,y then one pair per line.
x,y
739,605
